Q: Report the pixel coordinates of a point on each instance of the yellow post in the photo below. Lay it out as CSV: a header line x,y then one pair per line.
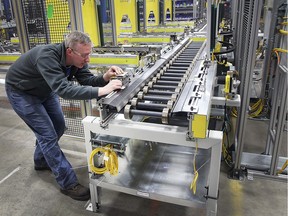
x,y
125,13
90,21
152,12
199,126
167,10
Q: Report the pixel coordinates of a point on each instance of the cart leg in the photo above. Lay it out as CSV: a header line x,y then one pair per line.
x,y
211,207
213,182
95,198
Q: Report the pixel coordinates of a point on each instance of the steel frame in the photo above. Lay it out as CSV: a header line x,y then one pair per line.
x,y
245,35
249,31
165,134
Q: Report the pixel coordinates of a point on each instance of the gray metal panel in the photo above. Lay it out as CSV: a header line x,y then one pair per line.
x,y
259,162
152,169
205,91
160,172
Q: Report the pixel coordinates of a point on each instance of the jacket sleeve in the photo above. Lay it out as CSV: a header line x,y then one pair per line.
x,y
86,78
54,75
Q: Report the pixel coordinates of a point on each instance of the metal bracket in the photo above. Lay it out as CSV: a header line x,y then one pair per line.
x,y
209,197
89,207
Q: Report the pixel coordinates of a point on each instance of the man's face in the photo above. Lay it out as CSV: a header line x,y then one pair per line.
x,y
80,55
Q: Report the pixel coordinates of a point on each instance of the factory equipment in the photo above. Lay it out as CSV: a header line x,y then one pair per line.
x,y
261,55
152,138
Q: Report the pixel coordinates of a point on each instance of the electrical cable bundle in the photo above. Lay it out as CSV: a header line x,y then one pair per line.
x,y
110,160
226,128
256,109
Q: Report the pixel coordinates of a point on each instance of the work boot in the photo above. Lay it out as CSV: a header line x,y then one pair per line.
x,y
78,192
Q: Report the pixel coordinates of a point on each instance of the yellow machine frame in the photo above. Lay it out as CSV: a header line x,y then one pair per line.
x,y
125,8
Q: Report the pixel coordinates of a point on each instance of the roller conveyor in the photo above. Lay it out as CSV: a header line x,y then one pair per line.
x,y
182,64
174,83
163,82
151,106
164,87
157,98
157,92
179,74
170,78
172,67
146,113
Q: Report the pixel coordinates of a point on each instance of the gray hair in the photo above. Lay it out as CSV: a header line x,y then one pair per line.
x,y
76,37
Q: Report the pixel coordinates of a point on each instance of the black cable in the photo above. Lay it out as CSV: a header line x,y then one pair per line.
x,y
226,131
226,33
226,43
226,51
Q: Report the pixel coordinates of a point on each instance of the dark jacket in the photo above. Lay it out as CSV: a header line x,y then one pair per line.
x,y
42,70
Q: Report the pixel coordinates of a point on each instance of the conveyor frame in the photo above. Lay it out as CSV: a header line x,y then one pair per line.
x,y
167,135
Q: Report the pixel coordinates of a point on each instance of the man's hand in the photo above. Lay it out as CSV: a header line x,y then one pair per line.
x,y
111,86
113,71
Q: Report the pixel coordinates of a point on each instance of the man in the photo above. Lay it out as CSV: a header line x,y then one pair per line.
x,y
33,84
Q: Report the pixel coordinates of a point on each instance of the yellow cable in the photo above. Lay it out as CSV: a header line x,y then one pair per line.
x,y
256,105
283,167
278,57
257,108
145,118
214,57
280,50
283,32
234,112
194,182
110,160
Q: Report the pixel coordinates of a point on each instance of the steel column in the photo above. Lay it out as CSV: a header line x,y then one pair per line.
x,y
208,34
281,110
246,69
113,22
20,25
75,10
270,43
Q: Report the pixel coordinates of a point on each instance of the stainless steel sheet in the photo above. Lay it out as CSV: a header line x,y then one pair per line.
x,y
160,171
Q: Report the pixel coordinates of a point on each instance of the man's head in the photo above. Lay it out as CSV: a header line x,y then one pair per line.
x,y
78,49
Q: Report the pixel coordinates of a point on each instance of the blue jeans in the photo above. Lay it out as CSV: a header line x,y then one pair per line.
x,y
45,118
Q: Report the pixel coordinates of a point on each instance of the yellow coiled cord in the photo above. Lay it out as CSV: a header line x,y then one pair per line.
x,y
110,160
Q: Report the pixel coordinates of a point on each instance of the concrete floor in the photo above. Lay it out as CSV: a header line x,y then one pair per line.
x,y
24,191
